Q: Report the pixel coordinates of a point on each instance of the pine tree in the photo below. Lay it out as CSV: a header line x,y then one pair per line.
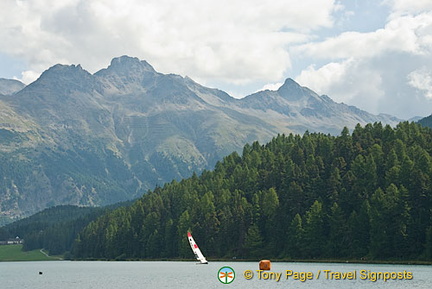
x,y
314,235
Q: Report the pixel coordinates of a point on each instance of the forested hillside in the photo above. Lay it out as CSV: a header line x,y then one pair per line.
x,y
54,229
426,121
362,195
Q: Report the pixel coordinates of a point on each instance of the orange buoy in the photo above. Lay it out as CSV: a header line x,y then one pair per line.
x,y
265,265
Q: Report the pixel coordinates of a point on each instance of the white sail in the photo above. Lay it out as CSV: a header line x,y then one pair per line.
x,y
200,257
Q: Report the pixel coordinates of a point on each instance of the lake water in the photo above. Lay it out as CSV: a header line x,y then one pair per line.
x,y
83,275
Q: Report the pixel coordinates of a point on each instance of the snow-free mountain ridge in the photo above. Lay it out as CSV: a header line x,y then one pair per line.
x,y
10,86
72,137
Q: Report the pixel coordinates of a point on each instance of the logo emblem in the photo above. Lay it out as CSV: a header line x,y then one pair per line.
x,y
226,275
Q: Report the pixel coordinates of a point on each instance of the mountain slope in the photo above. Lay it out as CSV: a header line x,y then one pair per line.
x,y
299,109
10,86
72,137
316,196
170,121
426,121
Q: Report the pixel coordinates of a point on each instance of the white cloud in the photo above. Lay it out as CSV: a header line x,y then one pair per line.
x,y
401,7
231,41
321,80
421,79
408,34
271,86
350,81
239,45
370,70
28,76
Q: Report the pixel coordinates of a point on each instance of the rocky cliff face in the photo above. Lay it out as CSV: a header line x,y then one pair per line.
x,y
72,137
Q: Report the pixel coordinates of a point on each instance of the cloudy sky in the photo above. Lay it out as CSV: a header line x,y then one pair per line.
x,y
375,54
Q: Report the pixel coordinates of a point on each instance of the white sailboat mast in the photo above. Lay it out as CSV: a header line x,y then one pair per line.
x,y
198,255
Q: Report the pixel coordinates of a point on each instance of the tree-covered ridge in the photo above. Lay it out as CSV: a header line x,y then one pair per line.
x,y
426,121
362,195
54,229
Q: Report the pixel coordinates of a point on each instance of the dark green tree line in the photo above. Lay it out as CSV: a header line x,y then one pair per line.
x,y
362,195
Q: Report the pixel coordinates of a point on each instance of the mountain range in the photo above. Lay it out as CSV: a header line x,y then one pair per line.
x,y
72,137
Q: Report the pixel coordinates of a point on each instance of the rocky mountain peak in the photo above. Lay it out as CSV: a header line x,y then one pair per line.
x,y
126,75
58,82
291,90
126,66
64,74
61,69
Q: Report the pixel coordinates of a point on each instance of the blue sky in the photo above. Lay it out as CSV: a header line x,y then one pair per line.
x,y
376,55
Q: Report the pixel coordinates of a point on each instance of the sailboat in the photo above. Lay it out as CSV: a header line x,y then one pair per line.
x,y
198,255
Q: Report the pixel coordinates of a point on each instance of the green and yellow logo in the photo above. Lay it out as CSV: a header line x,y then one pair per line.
x,y
226,275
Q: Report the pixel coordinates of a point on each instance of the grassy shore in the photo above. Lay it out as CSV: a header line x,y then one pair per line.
x,y
15,253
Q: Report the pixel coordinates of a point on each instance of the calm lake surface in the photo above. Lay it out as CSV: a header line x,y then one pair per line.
x,y
83,275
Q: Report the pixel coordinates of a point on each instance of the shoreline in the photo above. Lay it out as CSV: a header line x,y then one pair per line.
x,y
416,263
323,261
15,254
